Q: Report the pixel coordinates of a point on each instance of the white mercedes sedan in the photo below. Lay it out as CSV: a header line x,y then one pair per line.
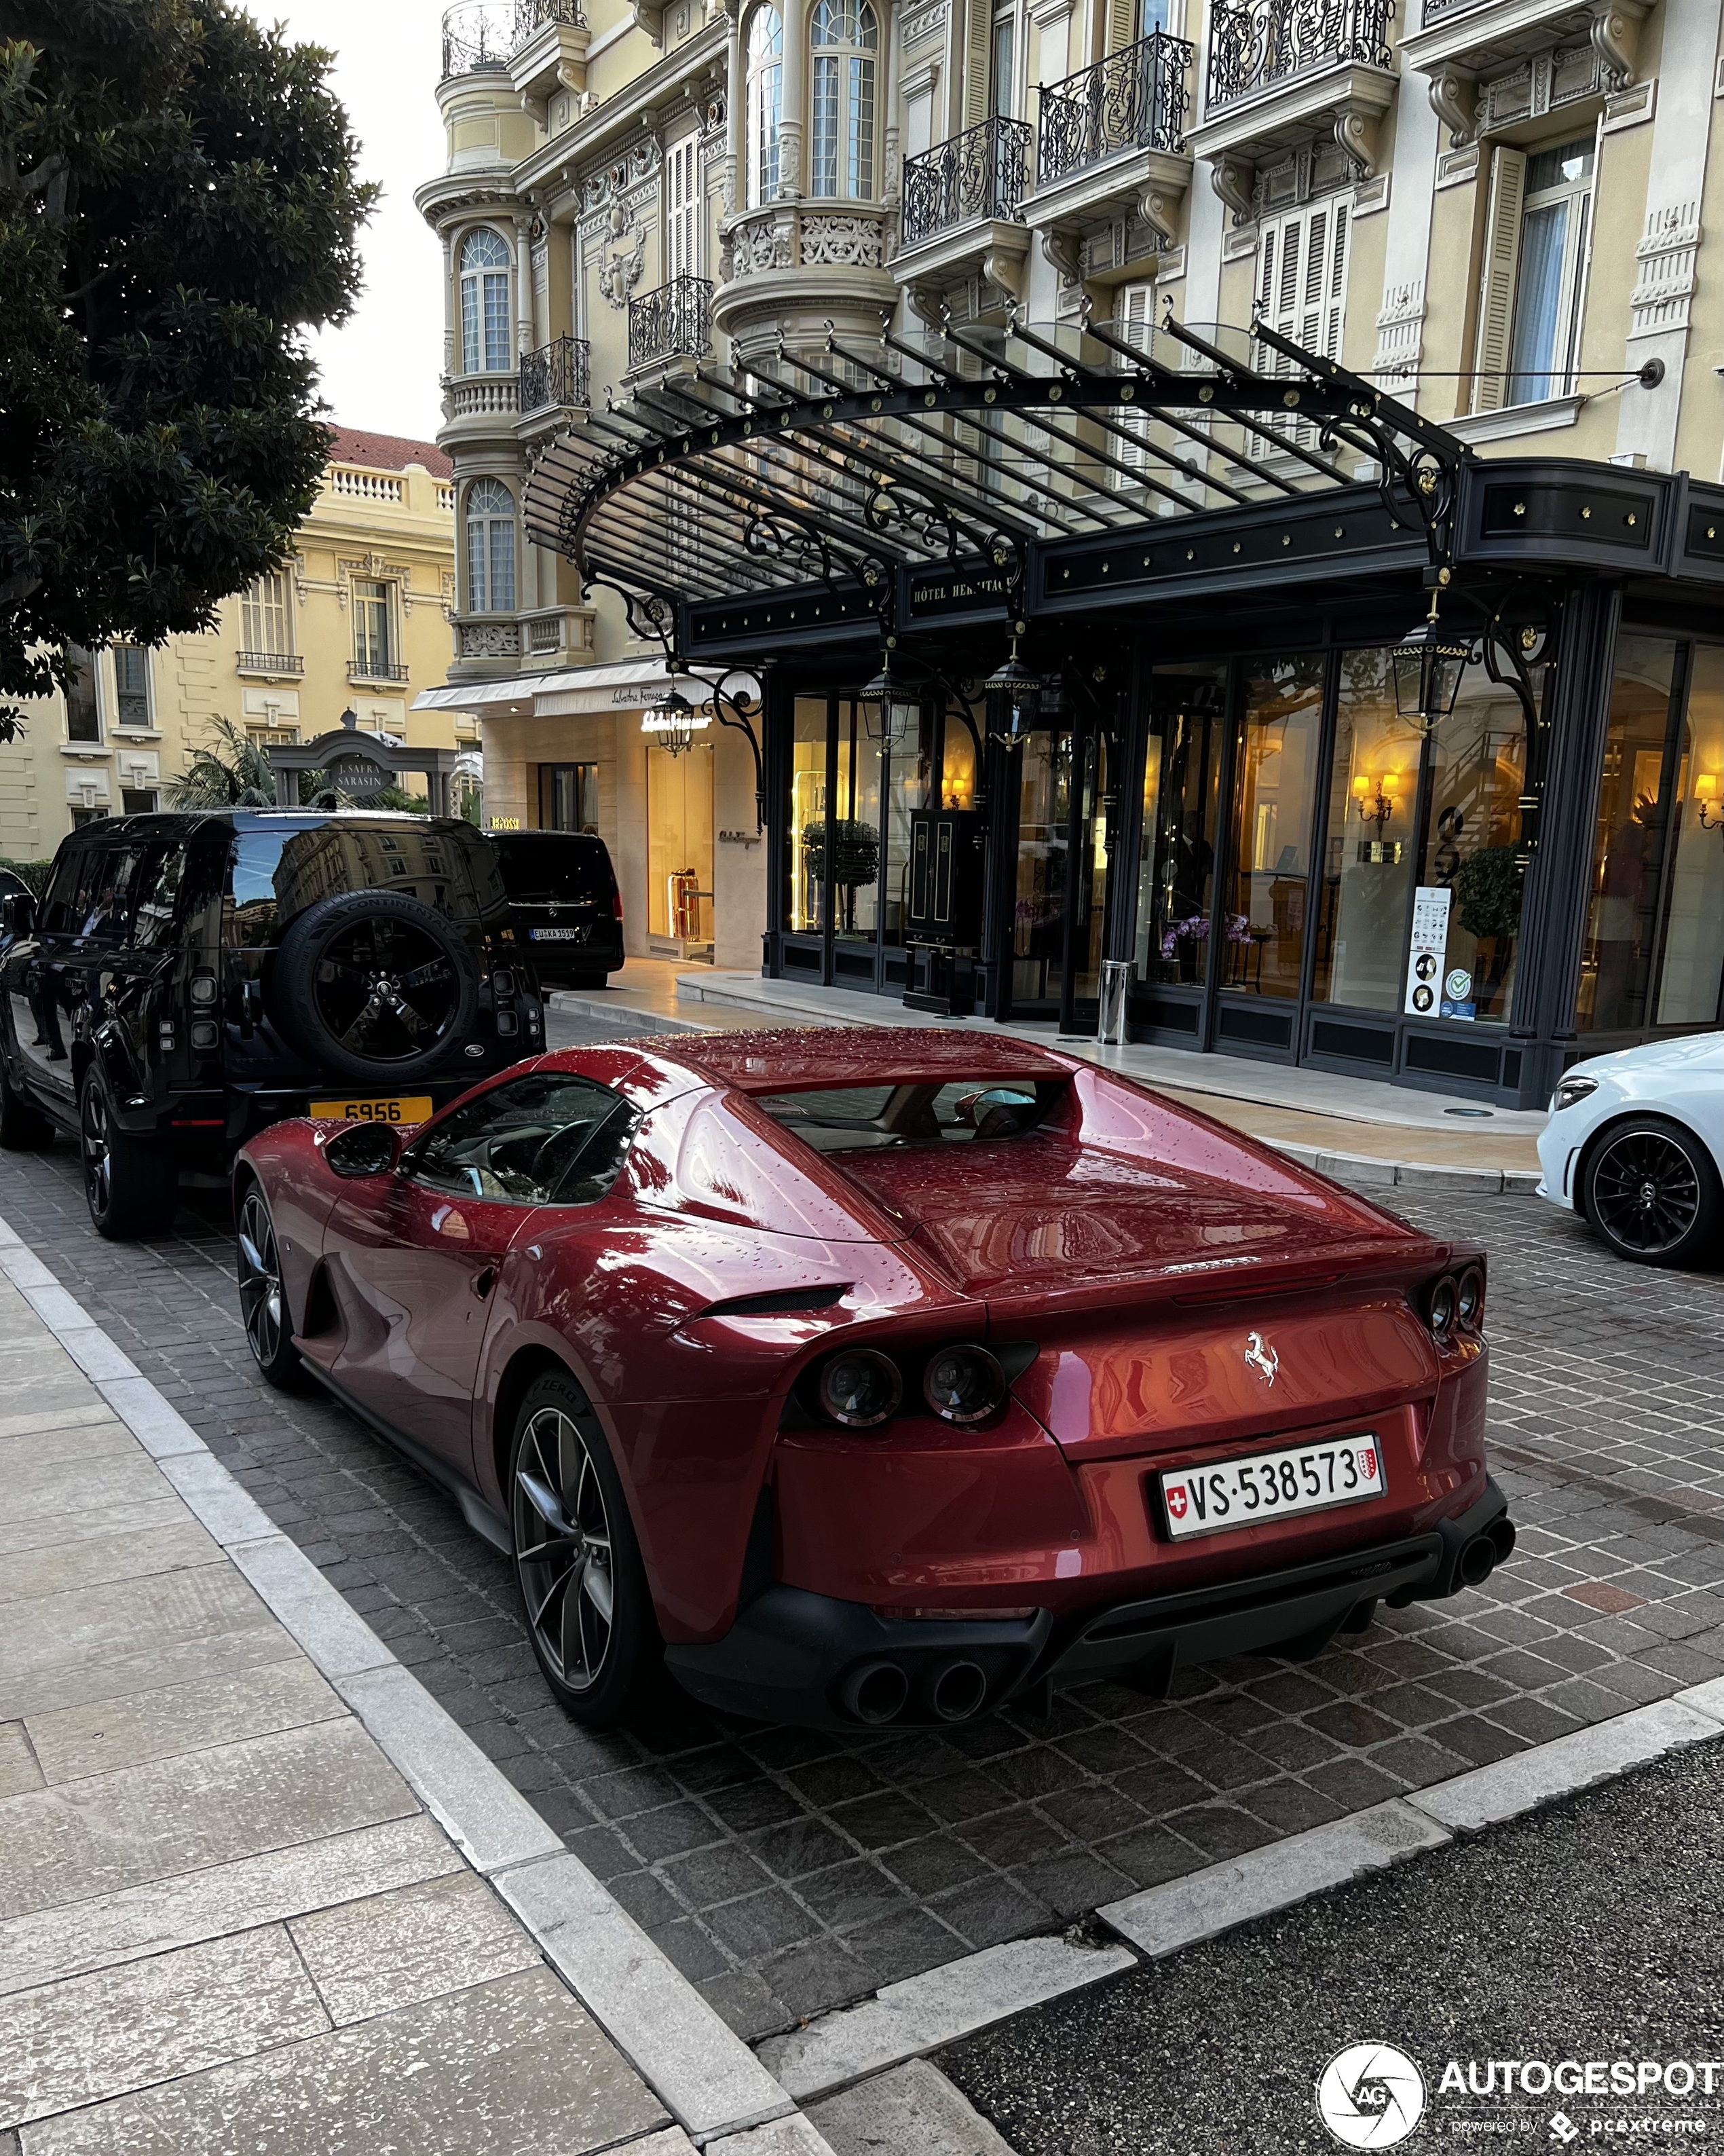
x,y
1635,1146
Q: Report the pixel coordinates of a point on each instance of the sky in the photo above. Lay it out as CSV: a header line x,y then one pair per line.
x,y
381,370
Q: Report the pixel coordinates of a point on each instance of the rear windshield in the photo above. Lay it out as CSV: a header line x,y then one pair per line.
x,y
963,1111
555,872
277,873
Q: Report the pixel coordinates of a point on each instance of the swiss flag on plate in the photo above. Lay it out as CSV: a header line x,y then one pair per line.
x,y
1176,1500
1367,1461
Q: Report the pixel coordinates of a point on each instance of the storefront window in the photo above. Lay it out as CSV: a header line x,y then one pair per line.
x,y
853,837
1182,801
808,812
1275,794
1472,833
958,769
680,845
1629,840
1691,962
1367,857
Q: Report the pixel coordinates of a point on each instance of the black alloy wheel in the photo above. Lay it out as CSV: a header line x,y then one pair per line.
x,y
582,1584
385,991
263,1303
1652,1192
130,1183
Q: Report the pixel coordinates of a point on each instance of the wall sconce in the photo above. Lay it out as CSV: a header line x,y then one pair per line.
x,y
1708,788
1375,797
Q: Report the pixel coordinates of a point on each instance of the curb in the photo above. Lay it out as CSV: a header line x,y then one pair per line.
x,y
1367,1171
715,2088
909,2020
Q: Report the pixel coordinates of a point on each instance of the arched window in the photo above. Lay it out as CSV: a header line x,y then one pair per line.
x,y
766,100
486,346
845,38
490,547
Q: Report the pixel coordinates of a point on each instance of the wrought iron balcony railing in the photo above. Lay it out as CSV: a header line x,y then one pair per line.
x,y
1267,41
375,669
270,662
1136,99
982,172
480,37
555,376
675,318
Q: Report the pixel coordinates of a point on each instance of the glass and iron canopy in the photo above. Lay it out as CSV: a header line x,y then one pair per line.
x,y
986,451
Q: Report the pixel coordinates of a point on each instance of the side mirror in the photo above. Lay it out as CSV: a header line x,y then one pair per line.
x,y
364,1149
18,914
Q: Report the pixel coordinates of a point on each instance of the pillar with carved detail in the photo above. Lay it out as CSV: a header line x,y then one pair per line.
x,y
793,120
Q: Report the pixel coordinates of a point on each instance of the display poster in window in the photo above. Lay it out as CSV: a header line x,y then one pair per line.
x,y
1428,955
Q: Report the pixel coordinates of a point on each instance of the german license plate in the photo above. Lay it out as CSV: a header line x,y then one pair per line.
x,y
1268,1485
407,1108
557,935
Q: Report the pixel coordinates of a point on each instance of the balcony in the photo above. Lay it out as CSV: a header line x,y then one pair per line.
x,y
1280,76
482,37
271,665
493,400
363,671
674,321
1110,152
806,267
1495,64
556,378
962,217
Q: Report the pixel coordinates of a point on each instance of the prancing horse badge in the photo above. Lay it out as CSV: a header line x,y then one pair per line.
x,y
1261,1358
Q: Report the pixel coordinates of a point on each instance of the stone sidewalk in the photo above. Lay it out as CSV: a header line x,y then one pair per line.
x,y
228,1921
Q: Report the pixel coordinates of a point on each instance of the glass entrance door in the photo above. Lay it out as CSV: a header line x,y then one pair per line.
x,y
1059,870
1265,906
1044,784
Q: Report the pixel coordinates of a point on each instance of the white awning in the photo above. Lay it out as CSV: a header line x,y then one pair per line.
x,y
572,692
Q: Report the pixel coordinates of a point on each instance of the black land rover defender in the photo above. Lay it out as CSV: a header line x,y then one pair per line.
x,y
188,978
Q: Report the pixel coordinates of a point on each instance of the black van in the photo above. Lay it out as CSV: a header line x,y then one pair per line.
x,y
188,978
564,904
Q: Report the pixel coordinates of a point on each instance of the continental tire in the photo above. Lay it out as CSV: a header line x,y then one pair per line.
x,y
374,987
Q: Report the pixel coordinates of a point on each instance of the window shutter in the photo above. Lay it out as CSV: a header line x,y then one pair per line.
x,y
978,40
1496,291
1122,25
682,210
1134,316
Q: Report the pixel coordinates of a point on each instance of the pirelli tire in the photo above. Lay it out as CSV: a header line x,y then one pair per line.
x,y
375,987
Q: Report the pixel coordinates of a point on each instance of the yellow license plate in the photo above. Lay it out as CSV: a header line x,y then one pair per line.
x,y
411,1108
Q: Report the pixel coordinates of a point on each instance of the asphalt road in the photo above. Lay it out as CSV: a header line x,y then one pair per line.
x,y
1593,1931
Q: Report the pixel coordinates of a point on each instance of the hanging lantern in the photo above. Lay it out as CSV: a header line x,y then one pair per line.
x,y
891,711
1429,663
670,723
1015,700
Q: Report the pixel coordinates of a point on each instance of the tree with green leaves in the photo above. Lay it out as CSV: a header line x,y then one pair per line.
x,y
178,202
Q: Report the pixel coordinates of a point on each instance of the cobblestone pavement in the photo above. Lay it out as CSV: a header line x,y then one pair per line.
x,y
787,1871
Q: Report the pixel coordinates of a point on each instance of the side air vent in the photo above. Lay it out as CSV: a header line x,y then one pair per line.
x,y
774,1305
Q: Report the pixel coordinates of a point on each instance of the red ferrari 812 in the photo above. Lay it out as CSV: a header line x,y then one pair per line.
x,y
863,1376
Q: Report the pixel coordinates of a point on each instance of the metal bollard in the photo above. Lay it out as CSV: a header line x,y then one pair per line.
x,y
1115,979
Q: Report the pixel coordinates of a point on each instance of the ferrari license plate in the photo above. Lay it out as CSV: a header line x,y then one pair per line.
x,y
406,1108
1266,1486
